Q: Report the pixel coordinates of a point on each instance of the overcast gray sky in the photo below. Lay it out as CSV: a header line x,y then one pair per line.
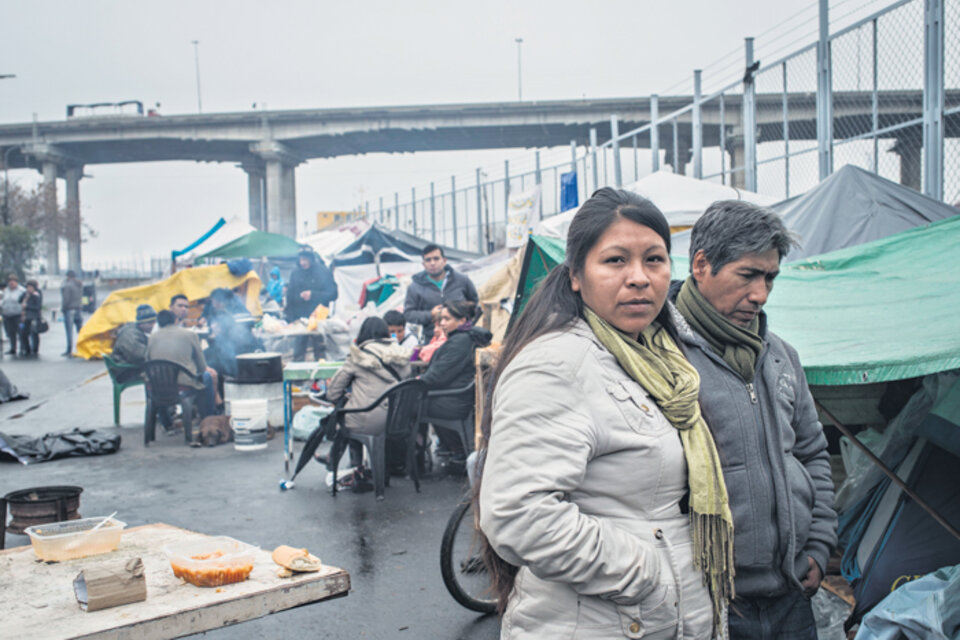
x,y
314,54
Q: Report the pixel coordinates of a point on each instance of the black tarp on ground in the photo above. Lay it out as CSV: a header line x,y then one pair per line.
x,y
79,442
9,391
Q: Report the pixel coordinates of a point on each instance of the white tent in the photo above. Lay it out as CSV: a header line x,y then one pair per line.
x,y
681,199
329,242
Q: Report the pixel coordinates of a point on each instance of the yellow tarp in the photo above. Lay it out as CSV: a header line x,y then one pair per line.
x,y
120,307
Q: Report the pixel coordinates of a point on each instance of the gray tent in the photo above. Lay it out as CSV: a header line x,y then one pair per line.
x,y
850,207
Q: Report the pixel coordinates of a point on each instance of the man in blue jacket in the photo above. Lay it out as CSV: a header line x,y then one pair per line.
x,y
755,398
311,284
437,283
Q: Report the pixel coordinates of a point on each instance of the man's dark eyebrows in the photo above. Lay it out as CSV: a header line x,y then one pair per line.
x,y
752,273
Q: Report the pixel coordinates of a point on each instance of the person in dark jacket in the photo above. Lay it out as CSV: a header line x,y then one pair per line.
x,y
452,367
71,299
755,397
130,347
32,303
311,284
437,283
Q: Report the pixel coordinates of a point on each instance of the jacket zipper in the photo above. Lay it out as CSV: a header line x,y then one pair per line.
x,y
752,392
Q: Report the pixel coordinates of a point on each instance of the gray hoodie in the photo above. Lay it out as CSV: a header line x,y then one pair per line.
x,y
10,302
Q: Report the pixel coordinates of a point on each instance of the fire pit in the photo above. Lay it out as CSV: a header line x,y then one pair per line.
x,y
40,505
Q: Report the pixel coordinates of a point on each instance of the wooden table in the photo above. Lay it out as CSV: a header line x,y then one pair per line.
x,y
38,600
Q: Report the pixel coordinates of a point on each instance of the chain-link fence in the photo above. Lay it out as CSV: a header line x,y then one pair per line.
x,y
778,130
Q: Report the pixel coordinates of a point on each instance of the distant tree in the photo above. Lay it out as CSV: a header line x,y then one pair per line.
x,y
18,249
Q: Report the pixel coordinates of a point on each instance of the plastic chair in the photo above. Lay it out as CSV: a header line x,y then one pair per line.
x,y
163,392
404,403
123,377
463,426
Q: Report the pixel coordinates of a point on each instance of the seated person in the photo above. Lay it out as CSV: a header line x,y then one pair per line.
x,y
130,345
375,362
180,307
426,352
452,367
398,326
182,346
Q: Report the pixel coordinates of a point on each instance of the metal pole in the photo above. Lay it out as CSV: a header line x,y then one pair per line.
x,y
723,143
933,16
697,125
519,42
396,206
433,215
380,215
573,156
749,124
875,103
676,148
655,132
453,208
636,160
196,63
480,242
539,182
615,139
593,158
366,209
786,136
413,208
824,98
506,191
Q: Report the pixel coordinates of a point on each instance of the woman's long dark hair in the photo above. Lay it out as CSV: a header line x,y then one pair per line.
x,y
373,328
553,306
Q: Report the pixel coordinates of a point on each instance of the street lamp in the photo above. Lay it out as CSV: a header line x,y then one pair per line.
x,y
196,62
519,42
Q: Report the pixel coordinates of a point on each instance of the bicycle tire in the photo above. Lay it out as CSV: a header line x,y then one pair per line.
x,y
484,602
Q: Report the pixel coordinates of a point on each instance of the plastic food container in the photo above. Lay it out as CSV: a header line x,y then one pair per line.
x,y
60,541
211,562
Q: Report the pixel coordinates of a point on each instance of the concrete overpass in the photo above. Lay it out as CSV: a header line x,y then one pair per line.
x,y
268,145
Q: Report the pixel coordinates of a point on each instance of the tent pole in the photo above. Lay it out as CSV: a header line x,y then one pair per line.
x,y
888,472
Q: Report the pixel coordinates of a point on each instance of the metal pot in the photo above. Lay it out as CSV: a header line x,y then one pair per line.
x,y
259,367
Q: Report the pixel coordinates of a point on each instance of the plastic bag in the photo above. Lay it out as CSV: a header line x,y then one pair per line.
x,y
308,419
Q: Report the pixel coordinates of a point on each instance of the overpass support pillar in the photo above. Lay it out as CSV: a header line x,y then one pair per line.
x,y
281,197
256,193
911,161
74,259
51,250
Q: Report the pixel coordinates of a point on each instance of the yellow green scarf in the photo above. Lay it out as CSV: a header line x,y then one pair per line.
x,y
657,364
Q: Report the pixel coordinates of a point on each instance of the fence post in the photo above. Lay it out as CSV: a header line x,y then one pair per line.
x,y
413,208
480,243
453,208
539,183
786,135
723,142
636,160
697,128
433,215
506,192
750,123
676,148
824,97
593,158
380,214
615,138
396,206
875,103
933,16
655,132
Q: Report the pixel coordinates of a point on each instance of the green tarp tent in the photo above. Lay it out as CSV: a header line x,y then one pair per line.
x,y
880,311
256,244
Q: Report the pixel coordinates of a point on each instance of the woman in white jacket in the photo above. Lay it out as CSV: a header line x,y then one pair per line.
x,y
601,498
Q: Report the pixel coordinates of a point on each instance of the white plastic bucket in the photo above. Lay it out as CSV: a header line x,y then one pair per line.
x,y
249,421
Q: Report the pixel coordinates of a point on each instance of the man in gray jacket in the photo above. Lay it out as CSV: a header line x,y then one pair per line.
x,y
437,283
755,398
71,300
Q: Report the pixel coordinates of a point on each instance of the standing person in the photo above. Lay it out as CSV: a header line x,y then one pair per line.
x,y
276,285
756,398
180,307
375,363
71,300
435,284
601,497
311,284
31,303
12,310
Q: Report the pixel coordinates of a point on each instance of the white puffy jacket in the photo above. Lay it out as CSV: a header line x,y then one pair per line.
x,y
581,489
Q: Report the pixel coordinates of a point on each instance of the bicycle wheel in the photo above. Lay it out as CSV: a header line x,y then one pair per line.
x,y
463,572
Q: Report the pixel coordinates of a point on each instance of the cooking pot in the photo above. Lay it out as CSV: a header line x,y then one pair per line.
x,y
259,367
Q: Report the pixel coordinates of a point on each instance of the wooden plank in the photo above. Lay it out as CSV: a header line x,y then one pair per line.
x,y
46,608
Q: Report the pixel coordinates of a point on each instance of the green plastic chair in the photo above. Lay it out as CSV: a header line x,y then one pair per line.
x,y
117,370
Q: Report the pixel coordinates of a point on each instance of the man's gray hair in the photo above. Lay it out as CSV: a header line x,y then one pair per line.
x,y
730,229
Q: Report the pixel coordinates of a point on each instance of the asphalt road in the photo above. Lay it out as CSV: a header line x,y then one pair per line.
x,y
391,548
